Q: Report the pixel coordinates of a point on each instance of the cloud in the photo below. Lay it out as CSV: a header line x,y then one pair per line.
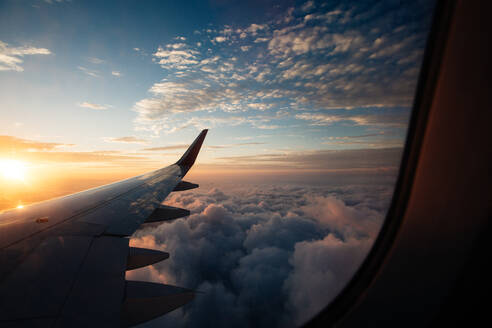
x,y
176,45
371,140
175,58
220,39
343,159
258,40
163,148
393,48
357,137
302,65
10,57
308,6
95,60
53,1
388,119
320,267
89,72
89,105
128,139
303,40
13,144
328,17
116,73
254,28
37,151
235,145
262,255
103,157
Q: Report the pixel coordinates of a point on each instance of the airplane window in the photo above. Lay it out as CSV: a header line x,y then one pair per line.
x,y
307,105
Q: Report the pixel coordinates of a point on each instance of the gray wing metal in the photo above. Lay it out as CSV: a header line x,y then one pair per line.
x,y
63,261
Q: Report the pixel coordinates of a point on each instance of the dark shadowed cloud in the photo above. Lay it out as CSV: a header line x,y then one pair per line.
x,y
263,255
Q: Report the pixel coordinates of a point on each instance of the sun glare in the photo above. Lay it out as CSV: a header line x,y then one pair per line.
x,y
13,169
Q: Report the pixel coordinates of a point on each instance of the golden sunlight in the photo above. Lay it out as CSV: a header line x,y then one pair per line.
x,y
13,169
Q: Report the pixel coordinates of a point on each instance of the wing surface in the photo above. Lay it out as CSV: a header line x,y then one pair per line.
x,y
63,261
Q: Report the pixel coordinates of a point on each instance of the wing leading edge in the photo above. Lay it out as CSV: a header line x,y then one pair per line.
x,y
63,261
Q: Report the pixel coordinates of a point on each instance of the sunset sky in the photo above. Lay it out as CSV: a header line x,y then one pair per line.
x,y
307,105
280,84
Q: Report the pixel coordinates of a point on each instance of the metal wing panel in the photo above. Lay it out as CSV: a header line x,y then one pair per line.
x,y
99,289
21,223
41,283
126,213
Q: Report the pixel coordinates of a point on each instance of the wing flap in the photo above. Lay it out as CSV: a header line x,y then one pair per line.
x,y
146,300
140,257
185,185
167,213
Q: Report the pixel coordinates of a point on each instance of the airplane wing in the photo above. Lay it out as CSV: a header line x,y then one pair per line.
x,y
63,261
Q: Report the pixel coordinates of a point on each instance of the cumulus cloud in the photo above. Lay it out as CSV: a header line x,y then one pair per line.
x,y
263,255
319,269
11,57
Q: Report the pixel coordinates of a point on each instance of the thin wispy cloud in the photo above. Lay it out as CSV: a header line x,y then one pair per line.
x,y
94,106
346,159
127,139
164,148
55,1
11,57
89,72
9,144
95,60
35,151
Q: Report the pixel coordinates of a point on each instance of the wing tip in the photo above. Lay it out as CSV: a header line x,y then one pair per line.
x,y
189,157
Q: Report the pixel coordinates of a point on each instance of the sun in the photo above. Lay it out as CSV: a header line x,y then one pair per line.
x,y
13,169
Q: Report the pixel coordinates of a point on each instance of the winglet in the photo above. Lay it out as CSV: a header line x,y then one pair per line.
x,y
187,160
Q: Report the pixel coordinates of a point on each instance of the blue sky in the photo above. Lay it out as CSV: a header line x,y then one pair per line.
x,y
269,78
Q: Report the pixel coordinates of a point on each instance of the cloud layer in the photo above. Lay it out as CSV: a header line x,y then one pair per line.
x,y
303,63
263,255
